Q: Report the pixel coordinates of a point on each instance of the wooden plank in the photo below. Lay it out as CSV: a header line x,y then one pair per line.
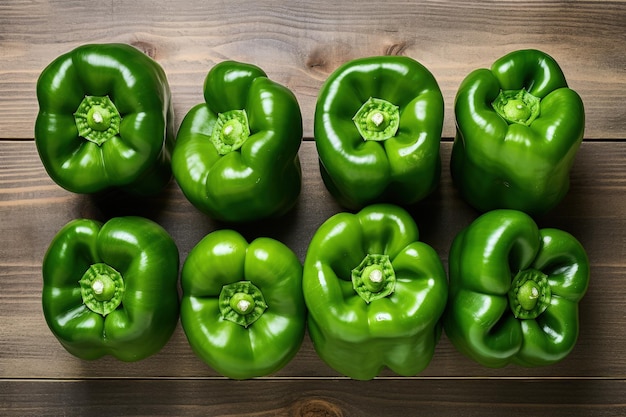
x,y
299,43
314,398
33,209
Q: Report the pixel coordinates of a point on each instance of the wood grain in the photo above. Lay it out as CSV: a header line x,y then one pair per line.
x,y
317,398
299,43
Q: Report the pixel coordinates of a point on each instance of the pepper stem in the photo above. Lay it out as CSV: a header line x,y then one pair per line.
x,y
530,294
242,303
517,106
102,288
230,132
377,120
97,119
374,278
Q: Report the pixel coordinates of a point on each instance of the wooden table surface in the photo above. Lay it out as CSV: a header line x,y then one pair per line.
x,y
299,43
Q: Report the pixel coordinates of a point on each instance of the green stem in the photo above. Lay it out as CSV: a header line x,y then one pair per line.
x,y
377,120
374,278
102,288
97,119
530,294
517,106
231,131
242,303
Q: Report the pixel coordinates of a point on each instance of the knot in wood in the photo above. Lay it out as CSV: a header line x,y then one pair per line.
x,y
316,407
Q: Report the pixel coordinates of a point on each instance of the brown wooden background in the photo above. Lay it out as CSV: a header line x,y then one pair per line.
x,y
299,43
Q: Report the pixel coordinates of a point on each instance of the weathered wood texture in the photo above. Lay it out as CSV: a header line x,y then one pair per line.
x,y
299,43
318,398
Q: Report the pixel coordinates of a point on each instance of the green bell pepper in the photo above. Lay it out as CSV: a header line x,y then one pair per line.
x,y
518,130
514,291
242,308
105,121
377,128
111,289
236,157
374,293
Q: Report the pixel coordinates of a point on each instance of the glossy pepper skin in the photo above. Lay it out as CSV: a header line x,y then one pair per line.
x,y
236,157
242,308
111,289
105,121
519,128
374,293
377,128
514,291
